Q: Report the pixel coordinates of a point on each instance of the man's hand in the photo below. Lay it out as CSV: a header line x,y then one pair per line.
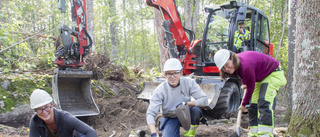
x,y
154,135
241,30
242,108
182,103
244,87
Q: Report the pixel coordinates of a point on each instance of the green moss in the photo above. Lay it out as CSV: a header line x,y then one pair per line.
x,y
287,116
20,89
304,127
141,85
107,93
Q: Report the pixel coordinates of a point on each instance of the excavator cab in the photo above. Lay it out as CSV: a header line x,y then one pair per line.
x,y
222,25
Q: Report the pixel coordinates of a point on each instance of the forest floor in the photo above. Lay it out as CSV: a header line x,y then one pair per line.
x,y
124,115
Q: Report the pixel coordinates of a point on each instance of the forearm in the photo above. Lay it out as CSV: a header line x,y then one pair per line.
x,y
152,128
191,104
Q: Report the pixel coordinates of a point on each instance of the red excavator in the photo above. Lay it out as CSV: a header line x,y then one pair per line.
x,y
71,85
196,56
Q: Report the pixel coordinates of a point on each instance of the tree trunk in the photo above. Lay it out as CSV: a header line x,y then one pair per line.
x,y
291,47
284,23
160,36
195,15
113,29
90,24
191,13
187,6
125,31
306,111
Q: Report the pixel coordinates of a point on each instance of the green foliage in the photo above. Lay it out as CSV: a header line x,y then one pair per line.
x,y
20,89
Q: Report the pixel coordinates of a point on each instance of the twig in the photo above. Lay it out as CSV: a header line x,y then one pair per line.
x,y
113,134
124,126
100,88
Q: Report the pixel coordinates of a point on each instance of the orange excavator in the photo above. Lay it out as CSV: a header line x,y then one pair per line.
x,y
71,84
196,56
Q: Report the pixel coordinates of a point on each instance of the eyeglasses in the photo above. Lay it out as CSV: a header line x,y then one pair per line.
x,y
40,110
175,74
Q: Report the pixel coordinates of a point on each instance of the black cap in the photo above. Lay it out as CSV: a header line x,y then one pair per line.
x,y
240,22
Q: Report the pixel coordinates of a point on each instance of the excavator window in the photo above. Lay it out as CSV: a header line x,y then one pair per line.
x,y
262,34
217,36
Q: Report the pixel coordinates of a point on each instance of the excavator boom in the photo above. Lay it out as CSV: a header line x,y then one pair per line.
x,y
71,85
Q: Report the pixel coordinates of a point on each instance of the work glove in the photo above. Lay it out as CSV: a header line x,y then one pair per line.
x,y
182,103
154,134
203,120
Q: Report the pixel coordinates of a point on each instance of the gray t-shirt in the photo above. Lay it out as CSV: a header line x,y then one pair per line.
x,y
168,97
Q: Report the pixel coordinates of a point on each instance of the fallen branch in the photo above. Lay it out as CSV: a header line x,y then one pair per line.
x,y
21,41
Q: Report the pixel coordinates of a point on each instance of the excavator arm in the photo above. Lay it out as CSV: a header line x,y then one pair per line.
x,y
171,17
75,40
180,46
71,84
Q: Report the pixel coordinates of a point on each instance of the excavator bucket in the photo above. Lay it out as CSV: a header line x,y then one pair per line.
x,y
71,91
211,90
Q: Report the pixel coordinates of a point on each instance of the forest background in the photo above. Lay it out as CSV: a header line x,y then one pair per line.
x,y
123,30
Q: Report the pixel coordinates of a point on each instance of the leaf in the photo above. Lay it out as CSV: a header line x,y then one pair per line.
x,y
6,70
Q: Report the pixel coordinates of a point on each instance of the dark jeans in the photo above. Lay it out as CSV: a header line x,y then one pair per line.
x,y
171,126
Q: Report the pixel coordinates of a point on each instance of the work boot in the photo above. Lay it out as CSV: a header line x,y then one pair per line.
x,y
191,132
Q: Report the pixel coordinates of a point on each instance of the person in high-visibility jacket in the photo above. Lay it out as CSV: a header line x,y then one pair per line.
x,y
240,35
261,77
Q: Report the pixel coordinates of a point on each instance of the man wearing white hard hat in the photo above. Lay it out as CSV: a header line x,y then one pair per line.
x,y
172,94
261,77
50,122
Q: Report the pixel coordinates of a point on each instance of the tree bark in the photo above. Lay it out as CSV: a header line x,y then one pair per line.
x,y
90,23
306,111
160,36
187,6
113,29
191,13
291,47
195,15
284,23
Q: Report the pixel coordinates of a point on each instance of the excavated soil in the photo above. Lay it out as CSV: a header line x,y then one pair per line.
x,y
123,115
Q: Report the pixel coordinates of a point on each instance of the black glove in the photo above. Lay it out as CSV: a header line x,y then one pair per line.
x,y
154,135
203,120
182,103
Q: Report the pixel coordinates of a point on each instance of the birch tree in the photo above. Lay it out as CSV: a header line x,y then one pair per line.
x,y
291,47
306,111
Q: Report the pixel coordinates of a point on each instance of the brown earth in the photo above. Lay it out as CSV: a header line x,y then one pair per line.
x,y
123,115
120,115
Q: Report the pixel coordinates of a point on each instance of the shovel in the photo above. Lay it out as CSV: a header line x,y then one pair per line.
x,y
237,133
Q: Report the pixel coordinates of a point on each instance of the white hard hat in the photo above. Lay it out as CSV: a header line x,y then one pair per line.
x,y
39,98
172,64
221,57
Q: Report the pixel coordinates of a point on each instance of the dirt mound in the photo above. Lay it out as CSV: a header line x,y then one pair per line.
x,y
100,65
118,115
